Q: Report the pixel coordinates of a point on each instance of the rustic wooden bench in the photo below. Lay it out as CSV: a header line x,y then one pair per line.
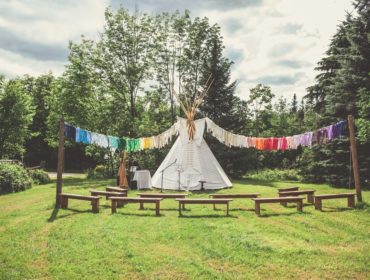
x,y
295,199
309,194
350,199
163,196
290,189
107,193
93,199
183,201
234,195
116,189
124,200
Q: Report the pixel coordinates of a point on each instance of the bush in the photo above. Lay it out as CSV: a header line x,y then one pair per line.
x,y
99,172
275,175
14,178
39,176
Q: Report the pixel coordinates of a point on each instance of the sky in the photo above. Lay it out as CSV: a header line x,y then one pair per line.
x,y
274,42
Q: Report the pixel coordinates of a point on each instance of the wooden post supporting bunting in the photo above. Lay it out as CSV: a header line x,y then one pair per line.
x,y
60,163
352,140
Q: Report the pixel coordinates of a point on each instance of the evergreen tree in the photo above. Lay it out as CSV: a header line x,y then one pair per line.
x,y
342,89
225,109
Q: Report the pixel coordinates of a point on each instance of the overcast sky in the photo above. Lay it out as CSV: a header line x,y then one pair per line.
x,y
273,42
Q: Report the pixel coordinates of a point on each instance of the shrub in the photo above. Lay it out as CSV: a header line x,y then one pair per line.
x,y
14,178
99,172
39,176
275,175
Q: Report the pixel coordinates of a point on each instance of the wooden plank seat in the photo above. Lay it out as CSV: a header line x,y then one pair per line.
x,y
116,189
290,189
350,199
309,193
107,193
234,195
294,199
163,195
93,199
116,201
183,201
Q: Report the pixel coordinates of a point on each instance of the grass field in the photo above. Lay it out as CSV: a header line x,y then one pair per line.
x,y
39,242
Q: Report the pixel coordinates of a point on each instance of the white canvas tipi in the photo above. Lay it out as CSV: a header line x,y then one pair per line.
x,y
192,161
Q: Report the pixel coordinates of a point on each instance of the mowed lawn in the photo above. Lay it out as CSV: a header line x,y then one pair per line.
x,y
38,242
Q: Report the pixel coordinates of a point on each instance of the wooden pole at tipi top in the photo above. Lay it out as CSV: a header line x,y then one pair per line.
x,y
60,166
352,139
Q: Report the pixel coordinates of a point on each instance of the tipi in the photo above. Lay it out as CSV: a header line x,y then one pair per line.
x,y
190,164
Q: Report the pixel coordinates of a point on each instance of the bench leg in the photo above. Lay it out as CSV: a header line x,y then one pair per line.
x,y
157,208
318,204
95,206
227,209
285,204
310,198
257,208
114,206
183,207
141,206
214,207
351,201
64,203
180,206
299,206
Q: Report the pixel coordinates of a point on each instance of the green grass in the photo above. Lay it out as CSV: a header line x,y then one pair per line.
x,y
39,242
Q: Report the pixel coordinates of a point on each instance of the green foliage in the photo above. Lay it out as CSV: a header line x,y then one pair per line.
x,y
13,178
16,112
99,172
342,88
39,177
275,175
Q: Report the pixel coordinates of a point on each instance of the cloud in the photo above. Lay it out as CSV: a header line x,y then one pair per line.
x,y
279,79
275,42
10,41
290,63
290,28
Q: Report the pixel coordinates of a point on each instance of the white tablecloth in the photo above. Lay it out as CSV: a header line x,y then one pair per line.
x,y
143,178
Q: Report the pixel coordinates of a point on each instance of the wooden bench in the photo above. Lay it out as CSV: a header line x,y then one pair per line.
x,y
234,195
350,199
309,193
107,193
290,189
163,196
116,189
124,200
183,201
294,199
93,199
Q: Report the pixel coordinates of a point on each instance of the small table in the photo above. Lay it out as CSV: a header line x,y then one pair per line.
x,y
143,179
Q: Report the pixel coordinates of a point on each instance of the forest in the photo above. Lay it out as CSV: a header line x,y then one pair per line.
x,y
120,85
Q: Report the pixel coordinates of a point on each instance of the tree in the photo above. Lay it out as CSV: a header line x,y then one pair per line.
x,y
40,89
16,113
123,57
342,88
260,100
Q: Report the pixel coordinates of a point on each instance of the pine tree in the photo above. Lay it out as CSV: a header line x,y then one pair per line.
x,y
226,110
340,90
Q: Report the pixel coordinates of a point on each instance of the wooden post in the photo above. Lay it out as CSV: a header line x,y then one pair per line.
x,y
352,140
60,163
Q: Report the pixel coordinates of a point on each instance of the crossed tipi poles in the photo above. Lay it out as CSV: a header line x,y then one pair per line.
x,y
190,105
